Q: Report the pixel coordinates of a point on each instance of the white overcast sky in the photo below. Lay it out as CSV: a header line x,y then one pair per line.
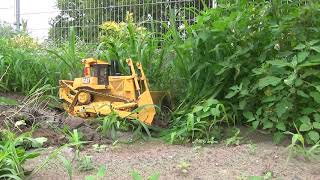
x,y
37,13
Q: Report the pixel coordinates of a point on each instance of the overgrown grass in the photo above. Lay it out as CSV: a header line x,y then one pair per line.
x,y
25,65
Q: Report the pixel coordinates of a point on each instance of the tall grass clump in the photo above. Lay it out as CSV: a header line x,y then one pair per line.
x,y
25,64
120,41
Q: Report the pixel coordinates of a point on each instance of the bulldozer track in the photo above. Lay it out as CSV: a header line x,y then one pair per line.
x,y
75,100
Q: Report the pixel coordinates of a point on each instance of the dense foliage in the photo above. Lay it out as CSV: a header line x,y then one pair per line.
x,y
260,60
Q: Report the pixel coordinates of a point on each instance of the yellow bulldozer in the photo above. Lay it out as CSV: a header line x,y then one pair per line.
x,y
103,90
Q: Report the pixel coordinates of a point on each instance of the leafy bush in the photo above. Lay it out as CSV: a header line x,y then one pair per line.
x,y
260,58
13,154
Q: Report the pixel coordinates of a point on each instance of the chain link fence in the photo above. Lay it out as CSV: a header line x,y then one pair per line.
x,y
87,15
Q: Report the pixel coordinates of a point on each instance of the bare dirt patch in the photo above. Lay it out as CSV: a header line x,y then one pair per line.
x,y
212,162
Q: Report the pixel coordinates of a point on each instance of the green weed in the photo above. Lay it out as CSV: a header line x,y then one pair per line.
x,y
99,176
109,125
85,164
13,155
136,176
235,139
299,148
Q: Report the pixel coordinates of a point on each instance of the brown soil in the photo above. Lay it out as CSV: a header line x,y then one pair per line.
x,y
212,162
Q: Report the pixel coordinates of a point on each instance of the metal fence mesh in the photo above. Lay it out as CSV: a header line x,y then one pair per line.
x,y
87,15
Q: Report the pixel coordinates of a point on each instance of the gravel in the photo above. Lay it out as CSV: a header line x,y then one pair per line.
x,y
211,162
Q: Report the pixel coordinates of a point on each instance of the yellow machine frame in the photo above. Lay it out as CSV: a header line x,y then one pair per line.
x,y
97,93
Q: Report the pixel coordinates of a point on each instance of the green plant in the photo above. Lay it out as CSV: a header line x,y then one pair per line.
x,y
267,176
109,125
204,122
67,165
299,148
101,173
235,139
252,148
69,56
139,130
184,167
74,138
13,155
99,148
136,176
85,164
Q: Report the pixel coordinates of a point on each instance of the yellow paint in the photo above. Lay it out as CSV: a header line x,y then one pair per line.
x,y
129,96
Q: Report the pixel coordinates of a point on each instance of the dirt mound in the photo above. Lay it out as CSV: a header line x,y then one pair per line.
x,y
54,124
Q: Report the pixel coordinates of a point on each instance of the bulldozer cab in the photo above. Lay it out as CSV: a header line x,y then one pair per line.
x,y
101,71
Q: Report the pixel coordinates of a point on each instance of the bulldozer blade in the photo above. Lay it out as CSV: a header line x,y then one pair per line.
x,y
148,102
146,108
160,98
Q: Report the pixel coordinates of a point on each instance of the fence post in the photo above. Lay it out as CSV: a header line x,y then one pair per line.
x,y
17,13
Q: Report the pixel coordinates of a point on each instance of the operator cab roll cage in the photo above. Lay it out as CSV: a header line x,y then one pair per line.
x,y
103,71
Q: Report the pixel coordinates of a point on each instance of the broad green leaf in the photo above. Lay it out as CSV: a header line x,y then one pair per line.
x,y
259,111
297,137
231,94
102,171
136,175
313,42
278,137
211,101
308,110
302,94
249,116
315,48
300,47
298,82
282,107
37,142
215,111
316,117
267,125
279,63
305,120
255,124
314,136
269,80
302,56
316,125
305,127
197,109
317,88
154,176
90,177
316,96
203,114
290,80
281,126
